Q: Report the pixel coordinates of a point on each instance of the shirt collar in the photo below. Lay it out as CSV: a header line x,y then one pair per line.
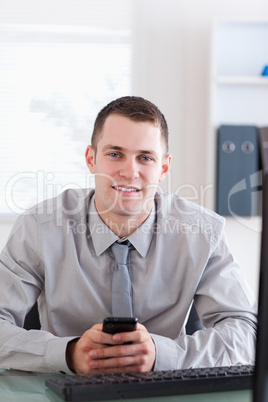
x,y
103,237
142,237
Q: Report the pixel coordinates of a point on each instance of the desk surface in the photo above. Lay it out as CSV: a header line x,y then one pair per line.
x,y
19,386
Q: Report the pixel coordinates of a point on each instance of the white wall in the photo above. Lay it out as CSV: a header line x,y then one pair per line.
x,y
171,68
175,54
243,239
176,58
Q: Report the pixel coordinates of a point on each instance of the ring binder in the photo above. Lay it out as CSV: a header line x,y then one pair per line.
x,y
238,168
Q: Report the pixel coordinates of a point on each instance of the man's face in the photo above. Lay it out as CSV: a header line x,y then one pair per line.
x,y
128,165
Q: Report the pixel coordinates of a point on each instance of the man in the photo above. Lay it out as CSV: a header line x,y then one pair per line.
x,y
60,252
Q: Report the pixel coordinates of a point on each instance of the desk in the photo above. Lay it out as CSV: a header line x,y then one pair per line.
x,y
20,386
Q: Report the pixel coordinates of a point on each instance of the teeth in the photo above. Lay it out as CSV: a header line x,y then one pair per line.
x,y
126,189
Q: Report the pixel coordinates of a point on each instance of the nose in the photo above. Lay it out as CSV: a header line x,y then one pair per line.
x,y
129,169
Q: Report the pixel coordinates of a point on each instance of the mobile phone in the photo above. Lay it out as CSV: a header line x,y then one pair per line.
x,y
113,325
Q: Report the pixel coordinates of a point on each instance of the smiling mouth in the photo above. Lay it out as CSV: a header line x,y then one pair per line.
x,y
127,189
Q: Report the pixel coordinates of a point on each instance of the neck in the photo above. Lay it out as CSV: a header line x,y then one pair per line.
x,y
124,226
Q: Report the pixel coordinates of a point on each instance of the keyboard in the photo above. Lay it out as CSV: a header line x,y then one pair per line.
x,y
157,383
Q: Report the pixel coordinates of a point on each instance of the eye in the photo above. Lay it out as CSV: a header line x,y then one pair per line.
x,y
146,158
114,155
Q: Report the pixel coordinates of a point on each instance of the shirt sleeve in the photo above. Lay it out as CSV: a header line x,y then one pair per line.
x,y
32,350
21,283
227,309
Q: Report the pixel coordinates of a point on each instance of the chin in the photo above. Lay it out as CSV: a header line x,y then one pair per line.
x,y
129,212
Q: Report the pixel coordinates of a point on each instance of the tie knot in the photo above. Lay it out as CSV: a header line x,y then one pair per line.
x,y
120,252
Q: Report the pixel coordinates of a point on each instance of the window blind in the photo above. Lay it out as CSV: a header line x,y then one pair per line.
x,y
60,63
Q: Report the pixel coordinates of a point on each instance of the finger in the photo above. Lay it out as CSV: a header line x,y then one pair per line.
x,y
107,353
118,351
141,355
99,338
119,363
103,339
137,336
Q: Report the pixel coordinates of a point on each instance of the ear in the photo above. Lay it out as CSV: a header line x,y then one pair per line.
x,y
90,159
165,167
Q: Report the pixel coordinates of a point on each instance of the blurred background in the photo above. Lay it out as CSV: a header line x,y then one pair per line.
x,y
61,61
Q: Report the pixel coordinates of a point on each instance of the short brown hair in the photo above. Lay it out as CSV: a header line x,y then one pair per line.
x,y
134,108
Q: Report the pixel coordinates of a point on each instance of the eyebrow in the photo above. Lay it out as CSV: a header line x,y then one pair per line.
x,y
118,148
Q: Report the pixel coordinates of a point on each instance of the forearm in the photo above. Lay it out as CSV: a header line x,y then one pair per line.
x,y
230,342
37,351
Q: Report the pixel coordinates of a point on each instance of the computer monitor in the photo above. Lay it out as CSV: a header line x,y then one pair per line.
x,y
261,368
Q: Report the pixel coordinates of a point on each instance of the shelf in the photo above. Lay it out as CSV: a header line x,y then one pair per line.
x,y
238,91
244,80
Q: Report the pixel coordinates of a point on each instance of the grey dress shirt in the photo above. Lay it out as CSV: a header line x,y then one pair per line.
x,y
59,253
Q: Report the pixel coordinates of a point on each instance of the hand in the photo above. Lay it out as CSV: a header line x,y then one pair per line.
x,y
91,355
77,351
